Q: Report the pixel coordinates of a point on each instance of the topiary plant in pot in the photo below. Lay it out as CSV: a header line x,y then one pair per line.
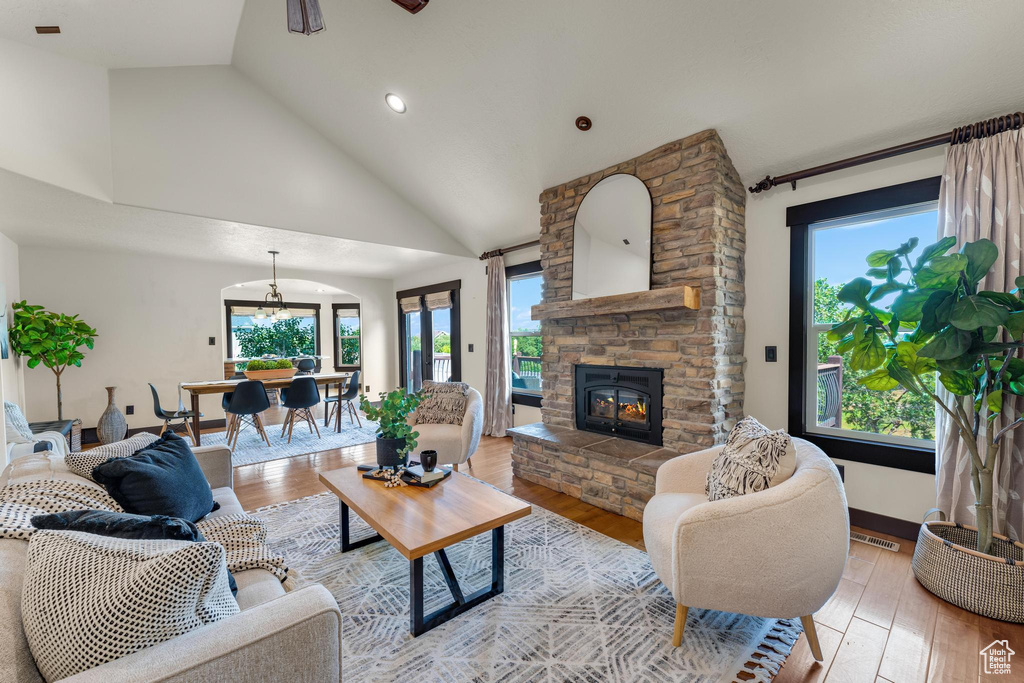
x,y
395,437
939,322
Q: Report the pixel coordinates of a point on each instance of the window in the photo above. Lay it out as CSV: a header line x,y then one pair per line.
x,y
347,340
830,241
249,337
525,287
429,334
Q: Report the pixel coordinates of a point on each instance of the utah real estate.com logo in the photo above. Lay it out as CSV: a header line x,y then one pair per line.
x,y
995,657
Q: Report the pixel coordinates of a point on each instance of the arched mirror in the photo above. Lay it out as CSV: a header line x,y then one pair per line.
x,y
611,251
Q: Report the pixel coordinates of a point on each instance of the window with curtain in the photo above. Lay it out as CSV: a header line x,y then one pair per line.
x,y
525,285
347,337
250,337
829,404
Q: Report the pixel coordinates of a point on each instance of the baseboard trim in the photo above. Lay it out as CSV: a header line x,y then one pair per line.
x,y
89,434
886,525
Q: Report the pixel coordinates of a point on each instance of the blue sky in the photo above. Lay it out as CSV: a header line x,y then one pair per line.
x,y
523,294
840,253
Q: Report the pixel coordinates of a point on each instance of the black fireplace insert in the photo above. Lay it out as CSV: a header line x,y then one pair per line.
x,y
620,401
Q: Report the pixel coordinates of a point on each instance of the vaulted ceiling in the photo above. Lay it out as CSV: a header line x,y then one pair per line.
x,y
493,88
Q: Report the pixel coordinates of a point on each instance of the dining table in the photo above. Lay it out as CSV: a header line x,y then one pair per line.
x,y
224,386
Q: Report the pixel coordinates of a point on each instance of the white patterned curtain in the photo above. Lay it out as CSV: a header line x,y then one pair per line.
x,y
980,197
498,393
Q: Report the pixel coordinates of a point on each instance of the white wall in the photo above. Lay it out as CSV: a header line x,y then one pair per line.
x,y
206,141
56,119
473,314
884,490
154,316
12,384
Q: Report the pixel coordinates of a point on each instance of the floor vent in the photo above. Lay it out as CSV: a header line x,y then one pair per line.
x,y
877,542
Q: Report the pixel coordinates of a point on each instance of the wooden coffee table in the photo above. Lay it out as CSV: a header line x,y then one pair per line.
x,y
419,521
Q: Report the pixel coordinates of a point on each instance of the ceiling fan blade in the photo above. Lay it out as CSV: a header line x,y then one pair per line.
x,y
413,6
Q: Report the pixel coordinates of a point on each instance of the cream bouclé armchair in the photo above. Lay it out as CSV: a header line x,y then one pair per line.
x,y
455,444
776,553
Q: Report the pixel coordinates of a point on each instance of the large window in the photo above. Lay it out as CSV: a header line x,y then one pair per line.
x,y
347,339
251,337
525,285
828,403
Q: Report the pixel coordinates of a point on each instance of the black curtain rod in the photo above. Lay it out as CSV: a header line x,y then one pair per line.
x,y
959,135
504,250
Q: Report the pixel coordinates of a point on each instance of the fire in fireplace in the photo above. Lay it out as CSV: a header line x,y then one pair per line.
x,y
623,402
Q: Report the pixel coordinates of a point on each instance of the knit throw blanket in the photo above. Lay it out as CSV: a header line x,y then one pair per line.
x,y
243,537
445,403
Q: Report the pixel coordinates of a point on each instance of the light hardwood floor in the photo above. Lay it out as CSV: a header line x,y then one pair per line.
x,y
880,626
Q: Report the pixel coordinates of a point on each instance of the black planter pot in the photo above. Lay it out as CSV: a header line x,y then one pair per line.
x,y
389,452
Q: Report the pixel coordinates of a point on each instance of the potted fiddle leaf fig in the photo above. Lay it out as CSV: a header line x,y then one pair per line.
x,y
395,437
941,325
51,339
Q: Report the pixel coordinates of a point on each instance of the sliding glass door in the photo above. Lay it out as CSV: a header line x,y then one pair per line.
x,y
429,335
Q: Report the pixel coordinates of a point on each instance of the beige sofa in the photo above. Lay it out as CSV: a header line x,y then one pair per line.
x,y
277,636
776,553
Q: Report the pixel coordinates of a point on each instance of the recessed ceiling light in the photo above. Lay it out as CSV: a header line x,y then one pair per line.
x,y
320,291
396,103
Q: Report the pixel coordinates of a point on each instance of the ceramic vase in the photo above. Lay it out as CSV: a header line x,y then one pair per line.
x,y
112,425
429,460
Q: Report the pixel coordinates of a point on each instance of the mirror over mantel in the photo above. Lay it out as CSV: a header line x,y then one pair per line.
x,y
612,239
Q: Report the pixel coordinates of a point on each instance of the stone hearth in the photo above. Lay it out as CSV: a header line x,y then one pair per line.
x,y
611,473
690,324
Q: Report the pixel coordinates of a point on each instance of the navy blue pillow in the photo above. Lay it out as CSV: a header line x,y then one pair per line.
x,y
161,479
124,525
120,525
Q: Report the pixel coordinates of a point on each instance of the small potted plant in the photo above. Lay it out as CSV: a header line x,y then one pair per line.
x,y
395,437
270,369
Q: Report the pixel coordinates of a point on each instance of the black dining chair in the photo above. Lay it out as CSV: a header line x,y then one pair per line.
x,y
171,420
333,404
299,397
247,401
306,366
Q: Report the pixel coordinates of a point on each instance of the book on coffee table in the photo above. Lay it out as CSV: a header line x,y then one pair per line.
x,y
426,477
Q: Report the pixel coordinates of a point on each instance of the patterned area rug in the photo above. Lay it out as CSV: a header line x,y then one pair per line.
x,y
577,606
252,449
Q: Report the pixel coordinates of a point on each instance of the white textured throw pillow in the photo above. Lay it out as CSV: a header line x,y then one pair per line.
x,y
754,458
91,599
15,425
84,462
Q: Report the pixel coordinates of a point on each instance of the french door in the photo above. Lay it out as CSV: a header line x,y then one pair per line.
x,y
429,334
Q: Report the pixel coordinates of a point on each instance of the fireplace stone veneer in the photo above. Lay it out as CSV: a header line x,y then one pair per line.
x,y
698,246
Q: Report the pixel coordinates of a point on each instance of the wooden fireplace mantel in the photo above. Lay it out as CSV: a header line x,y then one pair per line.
x,y
680,296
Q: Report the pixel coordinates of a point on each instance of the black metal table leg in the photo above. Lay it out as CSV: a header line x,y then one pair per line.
x,y
420,624
343,523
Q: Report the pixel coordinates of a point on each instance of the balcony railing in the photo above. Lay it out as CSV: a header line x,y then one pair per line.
x,y
442,367
526,373
830,392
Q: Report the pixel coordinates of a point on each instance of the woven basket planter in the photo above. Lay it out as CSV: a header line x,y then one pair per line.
x,y
946,563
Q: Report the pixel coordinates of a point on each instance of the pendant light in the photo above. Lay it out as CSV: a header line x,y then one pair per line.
x,y
304,17
273,299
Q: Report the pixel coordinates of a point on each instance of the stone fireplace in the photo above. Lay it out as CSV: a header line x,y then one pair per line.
x,y
687,329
